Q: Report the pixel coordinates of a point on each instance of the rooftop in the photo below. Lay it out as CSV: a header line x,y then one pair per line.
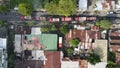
x,y
53,59
3,32
29,64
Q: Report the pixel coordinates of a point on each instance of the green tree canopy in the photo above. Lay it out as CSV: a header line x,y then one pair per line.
x,y
53,27
74,42
45,29
25,9
2,23
111,56
69,50
61,7
51,8
93,58
3,8
67,7
64,29
104,24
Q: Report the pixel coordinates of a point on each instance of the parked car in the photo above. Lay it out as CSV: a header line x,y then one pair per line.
x,y
60,42
91,18
110,12
66,19
41,18
117,11
54,19
26,17
80,18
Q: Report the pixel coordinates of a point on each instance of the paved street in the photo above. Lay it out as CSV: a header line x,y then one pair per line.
x,y
14,16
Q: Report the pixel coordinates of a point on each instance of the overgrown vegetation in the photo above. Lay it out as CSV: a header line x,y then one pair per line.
x,y
25,9
62,7
74,42
104,24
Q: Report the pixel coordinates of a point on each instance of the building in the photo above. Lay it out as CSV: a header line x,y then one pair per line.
x,y
3,32
105,5
83,4
35,41
20,29
36,30
2,2
70,64
53,59
114,43
101,48
86,37
3,53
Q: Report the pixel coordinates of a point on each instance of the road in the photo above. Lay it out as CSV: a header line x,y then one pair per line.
x,y
14,16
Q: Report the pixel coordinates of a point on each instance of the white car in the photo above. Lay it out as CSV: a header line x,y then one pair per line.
x,y
110,12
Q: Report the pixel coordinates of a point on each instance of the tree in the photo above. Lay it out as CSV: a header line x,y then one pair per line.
x,y
74,42
67,7
64,29
25,9
51,8
104,24
61,7
112,65
53,27
45,29
2,23
93,58
69,50
111,56
3,8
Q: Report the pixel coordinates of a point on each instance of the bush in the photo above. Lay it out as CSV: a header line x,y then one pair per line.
x,y
74,42
53,28
93,59
45,29
64,29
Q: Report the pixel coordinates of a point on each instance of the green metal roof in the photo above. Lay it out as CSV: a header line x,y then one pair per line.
x,y
48,40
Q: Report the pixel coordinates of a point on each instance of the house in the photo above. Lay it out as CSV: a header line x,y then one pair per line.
x,y
35,30
75,63
3,53
117,7
3,32
53,59
20,29
2,2
101,48
29,64
114,43
35,41
105,5
86,37
83,4
70,64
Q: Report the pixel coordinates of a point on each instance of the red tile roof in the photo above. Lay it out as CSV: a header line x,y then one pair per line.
x,y
53,59
81,34
115,41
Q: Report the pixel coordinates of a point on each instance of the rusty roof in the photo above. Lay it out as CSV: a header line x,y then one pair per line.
x,y
53,59
81,34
